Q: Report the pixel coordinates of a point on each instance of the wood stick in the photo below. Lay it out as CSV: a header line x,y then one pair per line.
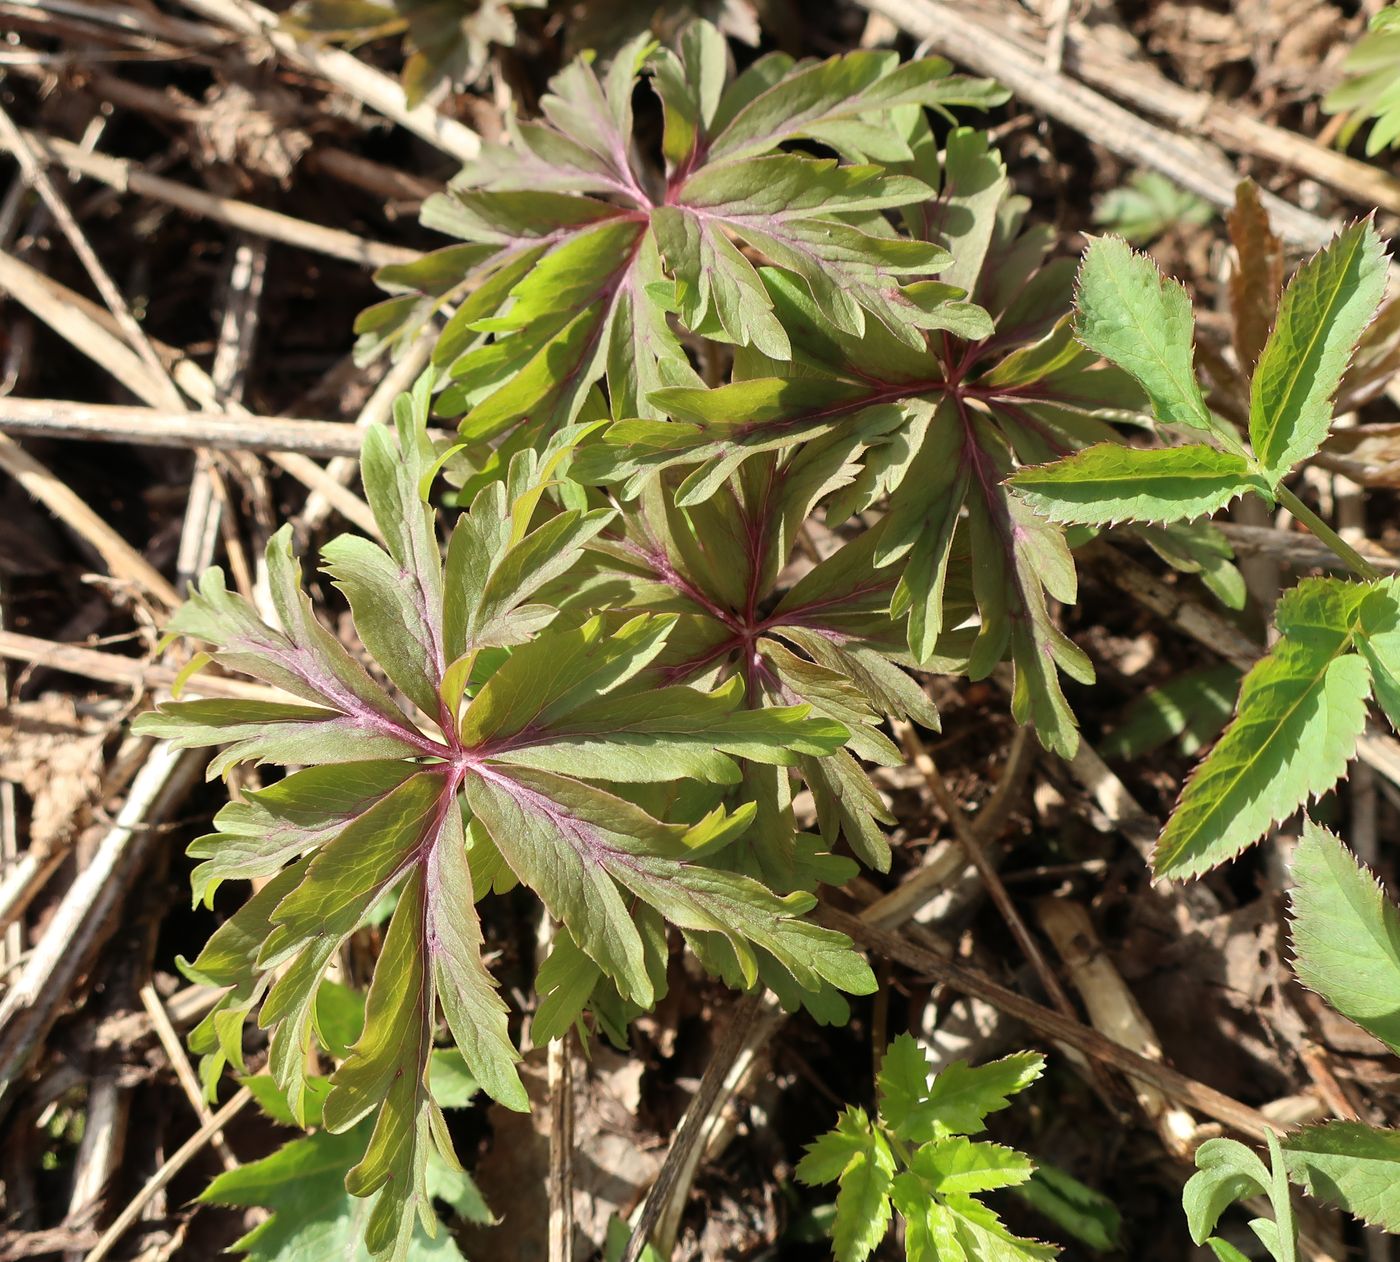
x,y
130,672
1136,80
83,918
918,754
121,559
179,1159
1051,1024
1198,167
127,177
79,321
37,178
1114,1011
184,1072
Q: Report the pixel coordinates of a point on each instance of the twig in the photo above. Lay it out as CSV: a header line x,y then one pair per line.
x,y
178,1160
1114,1011
1293,547
1052,1024
349,73
918,754
1177,607
38,179
127,177
184,1072
744,1065
120,558
206,509
742,1018
99,1152
1200,168
376,411
561,1149
1136,80
131,672
82,919
74,318
132,21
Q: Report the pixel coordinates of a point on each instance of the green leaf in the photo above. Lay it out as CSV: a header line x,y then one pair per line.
x,y
1192,708
1324,311
903,1084
1368,91
1300,712
960,1165
557,289
842,87
445,43
1089,1216
857,1156
1346,935
1350,1165
313,1216
1226,1171
962,1096
1130,314
1107,483
1148,205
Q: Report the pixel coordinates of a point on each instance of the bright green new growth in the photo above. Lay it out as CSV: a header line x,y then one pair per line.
x,y
1300,713
1227,1171
1324,311
532,755
916,1157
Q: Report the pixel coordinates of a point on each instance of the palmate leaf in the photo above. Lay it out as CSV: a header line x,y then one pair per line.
x,y
578,250
533,736
1148,205
822,642
1346,935
931,431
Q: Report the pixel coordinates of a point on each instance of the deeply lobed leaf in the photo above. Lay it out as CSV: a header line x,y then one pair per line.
x,y
535,734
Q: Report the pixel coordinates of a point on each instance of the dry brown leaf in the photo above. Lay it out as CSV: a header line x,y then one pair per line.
x,y
55,756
